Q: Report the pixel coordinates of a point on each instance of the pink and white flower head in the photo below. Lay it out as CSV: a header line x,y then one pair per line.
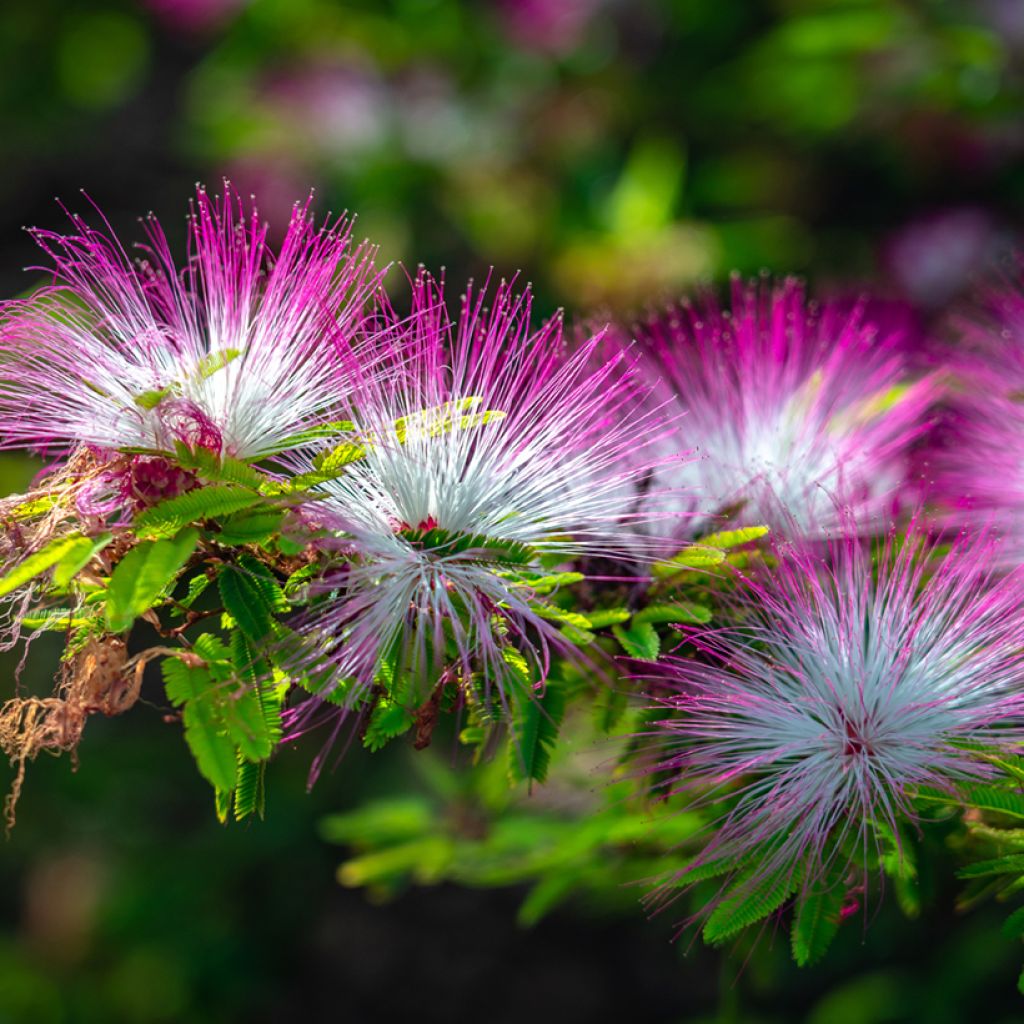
x,y
799,414
849,683
235,351
491,449
977,460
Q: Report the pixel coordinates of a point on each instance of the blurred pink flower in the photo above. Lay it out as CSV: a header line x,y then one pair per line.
x,y
337,107
933,258
194,15
553,26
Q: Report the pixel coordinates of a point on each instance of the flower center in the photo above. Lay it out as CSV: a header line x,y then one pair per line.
x,y
856,742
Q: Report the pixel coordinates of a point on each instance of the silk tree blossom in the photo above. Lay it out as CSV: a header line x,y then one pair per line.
x,y
491,449
848,686
800,414
235,352
977,458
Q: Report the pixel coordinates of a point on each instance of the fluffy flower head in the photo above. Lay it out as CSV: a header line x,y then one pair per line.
x,y
489,450
794,410
977,460
849,686
235,352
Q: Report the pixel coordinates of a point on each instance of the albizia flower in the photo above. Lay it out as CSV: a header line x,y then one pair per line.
x,y
489,449
977,459
235,352
848,685
796,411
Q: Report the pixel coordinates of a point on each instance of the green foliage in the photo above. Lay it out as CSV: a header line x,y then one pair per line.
x,y
640,640
677,612
751,899
223,469
546,583
46,558
726,539
535,731
317,433
78,557
981,796
696,556
252,526
1011,864
816,918
388,720
207,736
230,714
244,601
610,192
250,795
168,517
477,546
143,575
601,618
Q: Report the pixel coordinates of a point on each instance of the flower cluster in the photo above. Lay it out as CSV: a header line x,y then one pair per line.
x,y
331,498
853,685
801,415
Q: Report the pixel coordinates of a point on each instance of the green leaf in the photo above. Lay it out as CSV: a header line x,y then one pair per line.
x,y
545,896
640,640
151,399
679,611
701,870
424,859
388,720
982,797
610,706
78,557
575,627
39,562
244,601
1013,926
332,462
555,614
545,584
899,862
239,697
33,507
389,820
250,789
222,803
224,469
734,538
323,430
994,798
750,900
697,556
165,519
256,672
1011,864
491,549
253,526
60,619
143,575
442,418
196,587
604,617
214,361
205,732
242,712
534,733
816,920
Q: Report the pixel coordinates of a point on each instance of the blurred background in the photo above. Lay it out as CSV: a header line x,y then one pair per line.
x,y
618,152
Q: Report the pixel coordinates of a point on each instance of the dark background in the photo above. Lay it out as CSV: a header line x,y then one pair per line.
x,y
618,151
